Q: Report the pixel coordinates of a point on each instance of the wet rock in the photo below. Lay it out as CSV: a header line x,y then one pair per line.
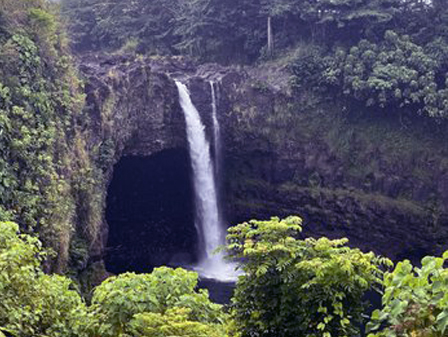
x,y
284,153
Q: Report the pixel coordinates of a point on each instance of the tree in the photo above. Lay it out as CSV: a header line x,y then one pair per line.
x,y
82,15
396,74
224,31
357,19
32,303
175,322
294,287
119,299
285,20
334,21
110,24
415,301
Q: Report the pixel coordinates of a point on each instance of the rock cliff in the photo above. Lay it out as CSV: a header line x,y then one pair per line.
x,y
381,182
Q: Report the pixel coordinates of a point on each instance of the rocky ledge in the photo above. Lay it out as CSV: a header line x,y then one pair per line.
x,y
382,184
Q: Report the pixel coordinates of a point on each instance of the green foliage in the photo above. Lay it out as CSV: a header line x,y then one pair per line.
x,y
175,322
118,299
42,21
28,138
396,73
40,106
223,31
100,24
294,287
32,303
415,301
307,67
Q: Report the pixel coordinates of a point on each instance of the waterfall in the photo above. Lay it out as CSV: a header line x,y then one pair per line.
x,y
270,38
216,128
207,213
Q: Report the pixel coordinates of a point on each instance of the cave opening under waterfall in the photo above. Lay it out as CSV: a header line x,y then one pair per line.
x,y
150,213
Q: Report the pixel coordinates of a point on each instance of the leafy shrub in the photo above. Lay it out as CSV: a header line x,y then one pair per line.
x,y
130,46
118,299
157,304
32,303
395,73
43,21
307,67
294,287
175,322
40,102
415,302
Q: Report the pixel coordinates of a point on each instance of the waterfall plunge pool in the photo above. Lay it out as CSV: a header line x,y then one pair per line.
x,y
163,209
150,213
208,219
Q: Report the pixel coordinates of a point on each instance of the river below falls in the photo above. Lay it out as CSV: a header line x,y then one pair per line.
x,y
220,292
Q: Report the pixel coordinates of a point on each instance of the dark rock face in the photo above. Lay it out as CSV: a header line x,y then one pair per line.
x,y
138,137
374,180
133,105
379,182
134,111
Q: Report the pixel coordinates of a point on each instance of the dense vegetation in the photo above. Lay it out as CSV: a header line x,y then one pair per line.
x,y
158,304
383,53
46,170
38,103
291,287
294,287
415,300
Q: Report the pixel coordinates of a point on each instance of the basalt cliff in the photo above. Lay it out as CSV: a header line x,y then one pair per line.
x,y
380,181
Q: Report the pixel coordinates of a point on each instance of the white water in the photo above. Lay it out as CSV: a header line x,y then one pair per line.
x,y
216,129
207,213
270,38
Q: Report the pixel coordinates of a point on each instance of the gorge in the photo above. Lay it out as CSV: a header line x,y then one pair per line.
x,y
134,133
358,177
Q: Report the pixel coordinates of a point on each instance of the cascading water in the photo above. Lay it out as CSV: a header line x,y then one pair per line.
x,y
207,213
216,129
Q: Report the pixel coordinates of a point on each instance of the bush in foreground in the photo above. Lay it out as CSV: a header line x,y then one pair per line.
x,y
294,287
148,300
291,287
33,304
415,301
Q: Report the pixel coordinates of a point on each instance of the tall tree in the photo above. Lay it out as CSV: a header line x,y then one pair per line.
x,y
227,30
